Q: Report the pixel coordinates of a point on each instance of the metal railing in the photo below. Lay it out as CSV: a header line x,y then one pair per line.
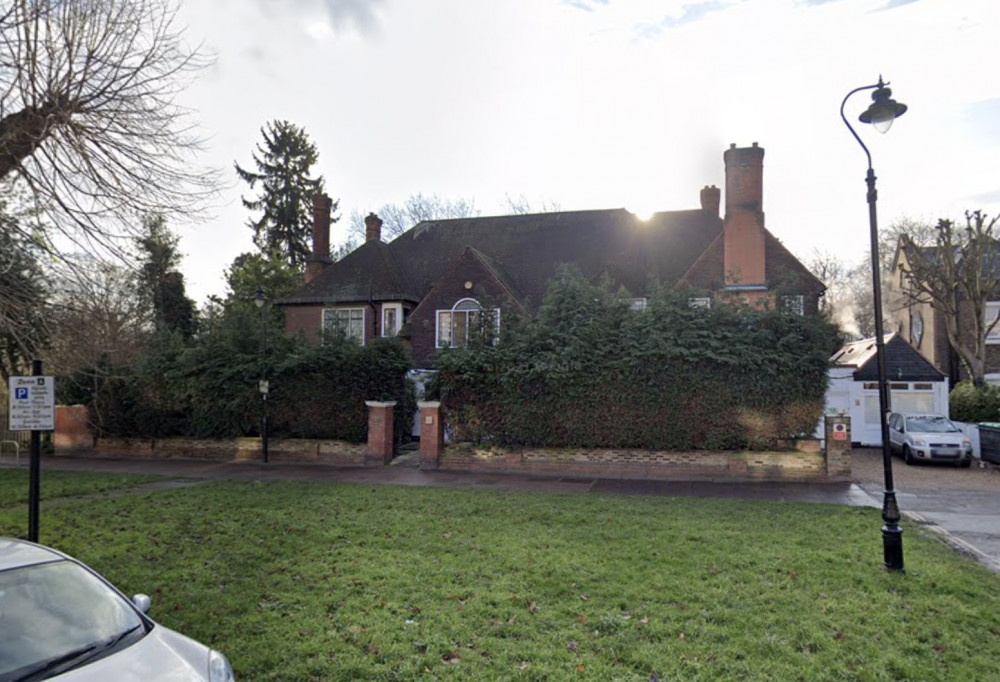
x,y
12,441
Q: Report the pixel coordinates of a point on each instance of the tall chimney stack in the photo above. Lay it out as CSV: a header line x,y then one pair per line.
x,y
373,228
743,226
319,259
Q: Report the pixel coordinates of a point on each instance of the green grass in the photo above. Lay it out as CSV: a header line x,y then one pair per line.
x,y
59,484
335,582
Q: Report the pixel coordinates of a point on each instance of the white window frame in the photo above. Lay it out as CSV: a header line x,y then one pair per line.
x,y
700,302
462,306
637,304
989,314
794,304
398,309
331,312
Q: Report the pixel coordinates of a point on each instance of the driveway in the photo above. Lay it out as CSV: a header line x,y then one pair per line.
x,y
964,504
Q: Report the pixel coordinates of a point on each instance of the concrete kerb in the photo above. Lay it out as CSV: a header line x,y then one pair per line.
x,y
955,543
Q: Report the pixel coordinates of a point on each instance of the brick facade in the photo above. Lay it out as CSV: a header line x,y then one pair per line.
x,y
469,277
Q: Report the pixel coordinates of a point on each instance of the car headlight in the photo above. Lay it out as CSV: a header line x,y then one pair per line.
x,y
966,443
219,669
919,441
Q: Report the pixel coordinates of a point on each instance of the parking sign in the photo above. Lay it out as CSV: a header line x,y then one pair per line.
x,y
32,404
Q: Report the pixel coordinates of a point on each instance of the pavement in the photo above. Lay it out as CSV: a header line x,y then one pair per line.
x,y
960,505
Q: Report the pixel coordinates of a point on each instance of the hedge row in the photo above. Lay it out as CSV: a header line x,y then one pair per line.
x,y
589,372
208,388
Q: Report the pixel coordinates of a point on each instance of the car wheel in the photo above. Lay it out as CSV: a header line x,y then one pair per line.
x,y
907,455
965,463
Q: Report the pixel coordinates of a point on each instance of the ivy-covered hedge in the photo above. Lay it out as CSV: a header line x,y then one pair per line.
x,y
589,372
208,387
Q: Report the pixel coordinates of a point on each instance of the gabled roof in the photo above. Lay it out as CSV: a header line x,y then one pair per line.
x,y
902,361
523,251
369,273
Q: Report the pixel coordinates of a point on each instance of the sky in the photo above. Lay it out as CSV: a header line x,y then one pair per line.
x,y
591,104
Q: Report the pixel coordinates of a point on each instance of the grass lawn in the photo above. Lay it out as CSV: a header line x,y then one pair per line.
x,y
58,484
298,581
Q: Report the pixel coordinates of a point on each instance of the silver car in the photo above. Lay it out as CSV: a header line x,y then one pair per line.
x,y
59,619
929,437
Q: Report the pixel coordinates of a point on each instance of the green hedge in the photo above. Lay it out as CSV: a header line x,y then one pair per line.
x,y
971,403
589,372
208,388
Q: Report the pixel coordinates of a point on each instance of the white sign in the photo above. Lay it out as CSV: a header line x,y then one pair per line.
x,y
32,404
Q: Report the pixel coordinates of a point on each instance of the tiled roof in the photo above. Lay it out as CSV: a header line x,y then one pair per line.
x,y
524,252
902,361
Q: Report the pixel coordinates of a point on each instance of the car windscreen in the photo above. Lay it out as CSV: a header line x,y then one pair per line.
x,y
51,612
930,425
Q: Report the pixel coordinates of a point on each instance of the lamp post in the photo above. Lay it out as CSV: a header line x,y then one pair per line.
x,y
881,113
259,300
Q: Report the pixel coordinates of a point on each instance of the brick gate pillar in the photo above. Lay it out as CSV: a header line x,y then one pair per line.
x,y
381,443
431,434
838,446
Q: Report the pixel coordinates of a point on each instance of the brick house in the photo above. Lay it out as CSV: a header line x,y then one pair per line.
x,y
923,325
431,284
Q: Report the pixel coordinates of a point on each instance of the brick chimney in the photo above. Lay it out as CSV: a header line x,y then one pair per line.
x,y
743,226
710,199
319,259
373,228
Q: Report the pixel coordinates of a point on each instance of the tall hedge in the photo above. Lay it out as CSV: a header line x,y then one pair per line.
x,y
589,372
208,387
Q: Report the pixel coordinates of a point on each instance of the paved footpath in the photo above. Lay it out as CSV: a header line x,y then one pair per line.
x,y
962,505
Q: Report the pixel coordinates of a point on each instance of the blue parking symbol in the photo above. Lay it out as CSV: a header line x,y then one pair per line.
x,y
20,393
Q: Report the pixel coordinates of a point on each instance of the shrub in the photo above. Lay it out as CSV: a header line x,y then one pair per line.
x,y
971,403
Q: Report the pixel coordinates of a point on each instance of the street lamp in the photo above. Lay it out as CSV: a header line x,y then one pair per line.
x,y
881,113
260,301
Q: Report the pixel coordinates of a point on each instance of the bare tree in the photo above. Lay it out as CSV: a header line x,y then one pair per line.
x,y
521,205
88,119
101,319
397,219
958,275
848,300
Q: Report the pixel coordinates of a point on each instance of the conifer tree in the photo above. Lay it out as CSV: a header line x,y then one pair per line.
x,y
283,165
160,279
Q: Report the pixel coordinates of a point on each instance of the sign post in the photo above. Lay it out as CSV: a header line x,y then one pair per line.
x,y
33,408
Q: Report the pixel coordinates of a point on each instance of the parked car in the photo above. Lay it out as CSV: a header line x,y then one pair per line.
x,y
929,437
59,619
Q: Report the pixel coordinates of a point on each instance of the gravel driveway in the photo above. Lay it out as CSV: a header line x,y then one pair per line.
x,y
866,469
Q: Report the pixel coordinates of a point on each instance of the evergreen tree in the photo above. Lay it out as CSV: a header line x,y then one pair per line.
x,y
160,279
283,165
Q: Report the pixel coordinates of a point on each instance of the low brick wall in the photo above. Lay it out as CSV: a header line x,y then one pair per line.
x,y
808,464
329,452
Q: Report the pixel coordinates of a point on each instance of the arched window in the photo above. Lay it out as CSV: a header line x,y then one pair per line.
x,y
466,316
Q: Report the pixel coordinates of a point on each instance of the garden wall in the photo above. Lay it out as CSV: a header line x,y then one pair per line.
x,y
807,461
639,464
330,452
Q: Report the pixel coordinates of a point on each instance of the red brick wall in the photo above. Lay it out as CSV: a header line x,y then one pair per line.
x,y
450,289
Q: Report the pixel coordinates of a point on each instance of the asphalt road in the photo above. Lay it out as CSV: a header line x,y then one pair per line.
x,y
963,504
